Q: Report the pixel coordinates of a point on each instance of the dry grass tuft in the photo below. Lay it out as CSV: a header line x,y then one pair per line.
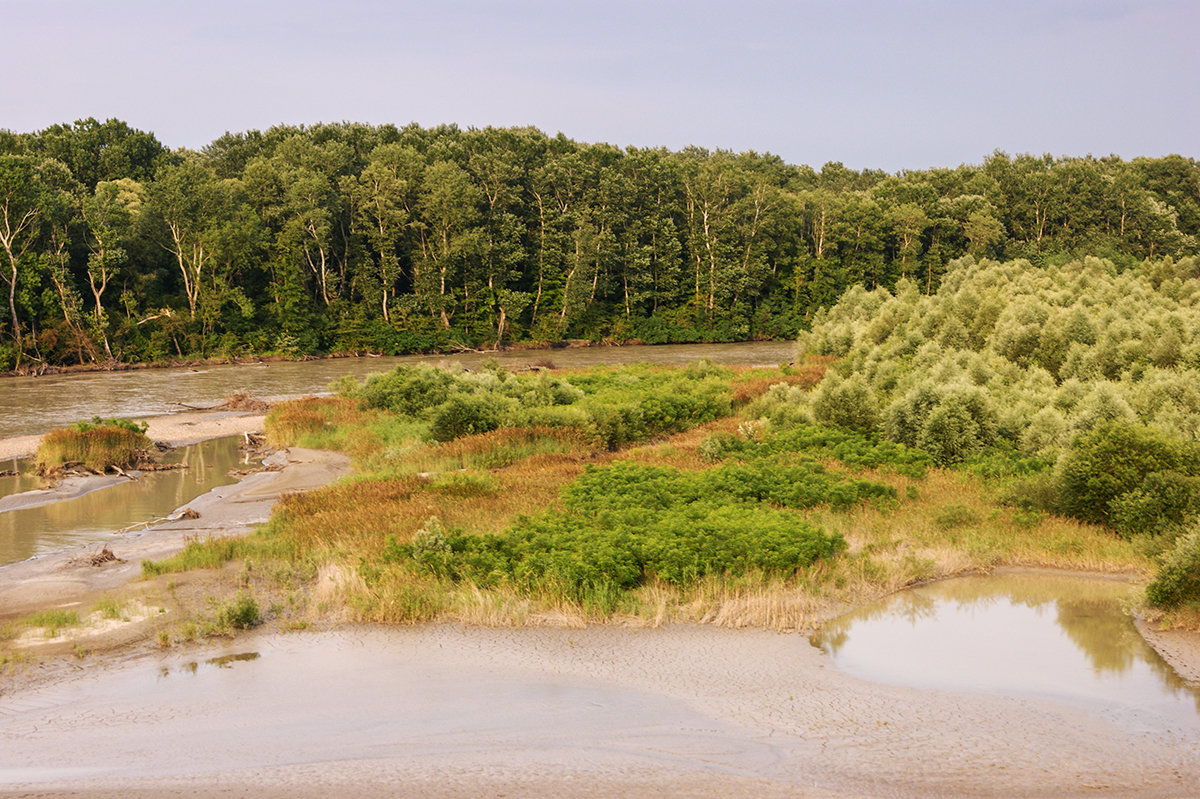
x,y
750,385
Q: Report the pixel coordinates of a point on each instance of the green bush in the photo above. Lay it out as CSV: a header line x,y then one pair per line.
x,y
239,613
816,441
1163,502
618,406
465,414
1108,470
625,524
1178,579
408,390
846,403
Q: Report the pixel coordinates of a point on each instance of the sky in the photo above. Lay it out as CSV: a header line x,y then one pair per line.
x,y
880,84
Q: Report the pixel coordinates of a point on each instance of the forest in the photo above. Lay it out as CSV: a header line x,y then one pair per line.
x,y
350,237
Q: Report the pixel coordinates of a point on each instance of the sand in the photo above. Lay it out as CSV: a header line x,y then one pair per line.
x,y
442,711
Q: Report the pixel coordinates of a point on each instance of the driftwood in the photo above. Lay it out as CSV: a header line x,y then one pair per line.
x,y
104,556
238,401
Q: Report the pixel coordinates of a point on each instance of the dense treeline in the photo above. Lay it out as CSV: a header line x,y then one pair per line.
x,y
354,237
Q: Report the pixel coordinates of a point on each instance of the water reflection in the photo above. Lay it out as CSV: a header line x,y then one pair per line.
x,y
101,514
1027,635
18,475
192,667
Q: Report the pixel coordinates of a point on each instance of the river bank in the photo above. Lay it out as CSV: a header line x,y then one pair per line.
x,y
71,579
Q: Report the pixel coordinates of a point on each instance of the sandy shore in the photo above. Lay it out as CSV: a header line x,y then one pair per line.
x,y
441,711
176,430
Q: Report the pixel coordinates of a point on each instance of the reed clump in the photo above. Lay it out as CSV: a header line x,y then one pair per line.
x,y
97,446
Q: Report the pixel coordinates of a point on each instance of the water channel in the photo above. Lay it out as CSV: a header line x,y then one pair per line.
x,y
1024,635
30,405
100,515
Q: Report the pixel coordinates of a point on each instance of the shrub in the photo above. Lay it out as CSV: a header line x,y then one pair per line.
x,y
1178,579
1116,459
408,390
846,403
1163,502
627,523
465,414
239,613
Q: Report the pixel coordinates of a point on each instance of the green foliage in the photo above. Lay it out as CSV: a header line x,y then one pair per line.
x,y
52,621
617,406
1130,476
846,403
350,238
211,553
1178,579
407,390
240,613
816,441
465,414
132,426
626,524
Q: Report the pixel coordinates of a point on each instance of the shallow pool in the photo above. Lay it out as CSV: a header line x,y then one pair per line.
x,y
1022,635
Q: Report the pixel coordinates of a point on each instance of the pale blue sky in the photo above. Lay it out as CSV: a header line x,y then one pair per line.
x,y
889,84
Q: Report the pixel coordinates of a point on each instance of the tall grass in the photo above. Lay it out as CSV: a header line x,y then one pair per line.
x,y
96,446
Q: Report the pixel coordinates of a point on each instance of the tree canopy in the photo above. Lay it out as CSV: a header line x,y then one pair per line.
x,y
351,237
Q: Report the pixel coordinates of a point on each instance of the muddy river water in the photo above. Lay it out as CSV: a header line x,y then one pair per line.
x,y
1024,635
31,405
100,515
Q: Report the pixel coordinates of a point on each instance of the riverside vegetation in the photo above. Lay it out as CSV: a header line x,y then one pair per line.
x,y
96,446
639,494
351,237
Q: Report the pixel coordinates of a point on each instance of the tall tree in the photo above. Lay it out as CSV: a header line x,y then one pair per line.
x,y
112,214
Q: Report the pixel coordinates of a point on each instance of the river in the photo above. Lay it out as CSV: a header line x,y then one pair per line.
x,y
30,405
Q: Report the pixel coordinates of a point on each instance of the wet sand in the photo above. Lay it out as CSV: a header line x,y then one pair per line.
x,y
442,711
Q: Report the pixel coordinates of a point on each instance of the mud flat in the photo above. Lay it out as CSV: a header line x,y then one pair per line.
x,y
441,711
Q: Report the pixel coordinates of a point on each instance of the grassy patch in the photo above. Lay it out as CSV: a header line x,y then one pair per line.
x,y
98,446
700,515
53,621
110,608
211,553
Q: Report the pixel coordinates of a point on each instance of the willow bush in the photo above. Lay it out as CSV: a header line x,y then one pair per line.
x,y
1091,371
